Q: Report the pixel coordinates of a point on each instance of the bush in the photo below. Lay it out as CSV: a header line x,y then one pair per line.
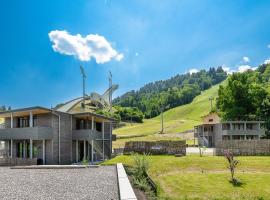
x,y
141,166
139,175
85,161
129,114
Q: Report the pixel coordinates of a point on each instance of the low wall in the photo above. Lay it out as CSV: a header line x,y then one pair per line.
x,y
156,147
17,161
244,147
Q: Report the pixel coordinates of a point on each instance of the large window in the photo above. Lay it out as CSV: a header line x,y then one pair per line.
x,y
22,122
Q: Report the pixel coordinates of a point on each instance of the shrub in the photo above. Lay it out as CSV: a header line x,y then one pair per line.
x,y
85,161
141,166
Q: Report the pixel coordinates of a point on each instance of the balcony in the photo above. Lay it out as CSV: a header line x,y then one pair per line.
x,y
34,133
243,132
88,134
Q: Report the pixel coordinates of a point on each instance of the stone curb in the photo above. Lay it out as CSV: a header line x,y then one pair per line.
x,y
125,188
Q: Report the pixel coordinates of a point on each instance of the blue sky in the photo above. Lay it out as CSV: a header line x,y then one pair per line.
x,y
156,39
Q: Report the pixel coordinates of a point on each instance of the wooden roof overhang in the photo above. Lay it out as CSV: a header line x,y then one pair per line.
x,y
24,112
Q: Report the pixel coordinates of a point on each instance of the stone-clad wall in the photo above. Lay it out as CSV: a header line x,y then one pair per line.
x,y
156,147
65,138
17,161
244,147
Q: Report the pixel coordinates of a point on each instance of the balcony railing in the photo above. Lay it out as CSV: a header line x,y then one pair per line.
x,y
2,126
35,133
88,134
243,132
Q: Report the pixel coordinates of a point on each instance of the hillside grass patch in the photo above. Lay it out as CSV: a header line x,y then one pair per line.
x,y
176,120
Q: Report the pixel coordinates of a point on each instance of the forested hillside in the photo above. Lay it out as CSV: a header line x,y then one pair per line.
x,y
167,94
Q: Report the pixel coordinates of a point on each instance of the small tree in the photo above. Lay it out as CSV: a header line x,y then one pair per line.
x,y
232,165
202,149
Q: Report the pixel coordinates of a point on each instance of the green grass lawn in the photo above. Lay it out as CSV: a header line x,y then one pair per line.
x,y
176,120
194,177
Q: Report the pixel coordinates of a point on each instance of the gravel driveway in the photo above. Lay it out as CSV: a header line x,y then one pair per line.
x,y
90,183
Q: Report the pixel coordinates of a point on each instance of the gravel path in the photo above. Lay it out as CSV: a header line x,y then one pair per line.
x,y
90,183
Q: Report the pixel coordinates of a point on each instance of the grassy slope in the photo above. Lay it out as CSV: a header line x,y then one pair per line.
x,y
176,120
194,177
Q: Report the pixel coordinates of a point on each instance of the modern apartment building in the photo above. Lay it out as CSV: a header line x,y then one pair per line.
x,y
213,130
65,135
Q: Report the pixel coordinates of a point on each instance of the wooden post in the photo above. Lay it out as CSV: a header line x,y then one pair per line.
x,y
110,139
31,119
43,151
11,148
92,151
24,149
77,151
11,120
31,148
93,123
103,149
84,149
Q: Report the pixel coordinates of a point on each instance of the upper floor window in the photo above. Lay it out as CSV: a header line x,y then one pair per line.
x,y
23,122
83,124
99,126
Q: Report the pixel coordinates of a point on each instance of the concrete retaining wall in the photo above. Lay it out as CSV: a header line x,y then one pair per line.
x,y
156,147
244,147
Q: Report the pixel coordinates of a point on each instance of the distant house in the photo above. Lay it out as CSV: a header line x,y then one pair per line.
x,y
66,135
213,130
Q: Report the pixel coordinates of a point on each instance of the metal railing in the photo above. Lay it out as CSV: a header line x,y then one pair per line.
x,y
2,126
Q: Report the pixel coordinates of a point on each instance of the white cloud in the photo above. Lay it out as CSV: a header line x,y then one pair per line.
x,y
84,48
136,54
226,69
268,46
192,71
244,68
246,59
267,61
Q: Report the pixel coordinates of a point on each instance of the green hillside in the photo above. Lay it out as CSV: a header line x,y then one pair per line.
x,y
176,120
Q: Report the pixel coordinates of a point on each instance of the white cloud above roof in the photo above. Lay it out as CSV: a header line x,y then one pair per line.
x,y
244,68
267,61
193,71
246,59
84,48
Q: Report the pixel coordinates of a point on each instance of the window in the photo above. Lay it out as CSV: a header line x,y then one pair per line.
x,y
22,122
99,126
210,120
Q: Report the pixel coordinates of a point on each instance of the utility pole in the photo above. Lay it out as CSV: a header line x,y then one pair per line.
x,y
211,99
83,77
110,88
162,121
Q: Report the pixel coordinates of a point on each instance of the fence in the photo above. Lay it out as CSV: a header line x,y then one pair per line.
x,y
244,147
156,147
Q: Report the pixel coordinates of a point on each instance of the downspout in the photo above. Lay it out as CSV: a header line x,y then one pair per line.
x,y
59,134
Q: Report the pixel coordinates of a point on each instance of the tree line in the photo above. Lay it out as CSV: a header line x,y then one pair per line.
x,y
4,108
246,96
